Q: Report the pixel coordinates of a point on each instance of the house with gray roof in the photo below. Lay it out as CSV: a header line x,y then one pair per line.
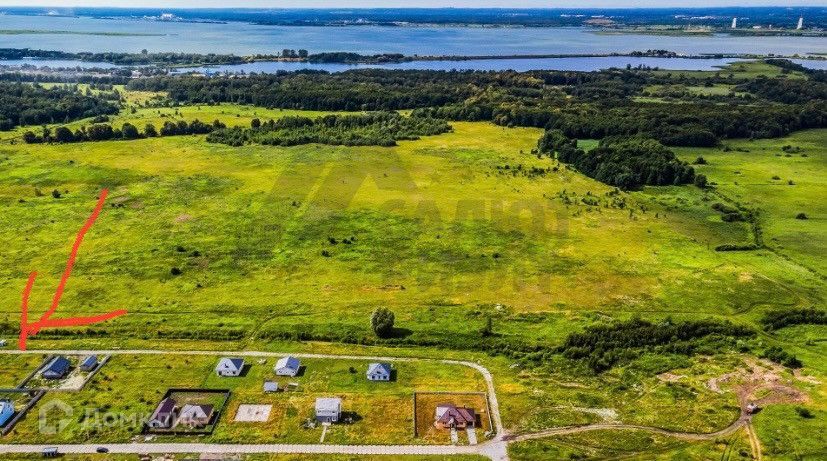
x,y
196,415
379,372
229,367
287,366
328,409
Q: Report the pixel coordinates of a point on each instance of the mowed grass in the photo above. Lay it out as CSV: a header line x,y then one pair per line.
x,y
126,391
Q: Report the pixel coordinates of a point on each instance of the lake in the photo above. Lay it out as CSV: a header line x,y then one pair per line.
x,y
245,39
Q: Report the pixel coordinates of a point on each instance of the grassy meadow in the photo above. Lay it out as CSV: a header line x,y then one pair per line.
x,y
279,244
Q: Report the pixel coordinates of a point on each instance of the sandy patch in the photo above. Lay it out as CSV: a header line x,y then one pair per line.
x,y
253,413
670,377
762,383
183,218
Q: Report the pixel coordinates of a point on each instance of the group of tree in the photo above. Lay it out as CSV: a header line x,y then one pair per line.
x,y
25,104
603,346
368,129
627,163
780,318
105,132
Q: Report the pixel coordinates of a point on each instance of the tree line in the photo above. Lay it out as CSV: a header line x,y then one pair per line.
x,y
369,129
128,131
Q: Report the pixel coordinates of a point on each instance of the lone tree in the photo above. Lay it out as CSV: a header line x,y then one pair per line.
x,y
382,322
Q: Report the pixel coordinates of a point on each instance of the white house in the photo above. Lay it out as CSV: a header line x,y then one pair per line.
x,y
229,367
6,412
328,410
196,415
379,372
287,366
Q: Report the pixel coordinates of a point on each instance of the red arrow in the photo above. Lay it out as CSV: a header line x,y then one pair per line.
x,y
31,329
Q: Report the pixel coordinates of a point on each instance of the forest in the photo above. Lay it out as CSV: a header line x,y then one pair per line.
x,y
36,105
369,129
582,105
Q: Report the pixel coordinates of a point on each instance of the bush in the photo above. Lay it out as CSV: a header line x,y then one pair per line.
x,y
801,216
782,357
701,181
804,413
382,322
129,131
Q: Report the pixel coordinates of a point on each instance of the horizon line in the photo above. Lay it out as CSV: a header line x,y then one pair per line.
x,y
420,7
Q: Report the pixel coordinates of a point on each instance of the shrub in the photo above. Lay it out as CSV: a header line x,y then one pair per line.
x,y
801,216
804,412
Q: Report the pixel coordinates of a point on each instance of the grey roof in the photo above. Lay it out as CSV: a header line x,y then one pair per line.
x,y
271,386
288,362
238,364
379,367
333,404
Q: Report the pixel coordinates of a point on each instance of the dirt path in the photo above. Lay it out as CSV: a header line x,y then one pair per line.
x,y
690,436
754,443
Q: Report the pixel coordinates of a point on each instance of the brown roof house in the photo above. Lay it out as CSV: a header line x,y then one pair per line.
x,y
164,415
452,417
196,415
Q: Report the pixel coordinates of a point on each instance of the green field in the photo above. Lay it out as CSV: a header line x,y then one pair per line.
x,y
445,236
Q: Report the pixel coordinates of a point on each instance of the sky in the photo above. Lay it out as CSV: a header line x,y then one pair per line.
x,y
410,3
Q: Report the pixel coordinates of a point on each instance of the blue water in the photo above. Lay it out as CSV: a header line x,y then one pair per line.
x,y
520,65
244,39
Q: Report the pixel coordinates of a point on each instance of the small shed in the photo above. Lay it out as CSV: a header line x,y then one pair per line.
x,y
229,367
328,409
3,343
270,387
287,366
89,363
6,412
58,368
379,372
